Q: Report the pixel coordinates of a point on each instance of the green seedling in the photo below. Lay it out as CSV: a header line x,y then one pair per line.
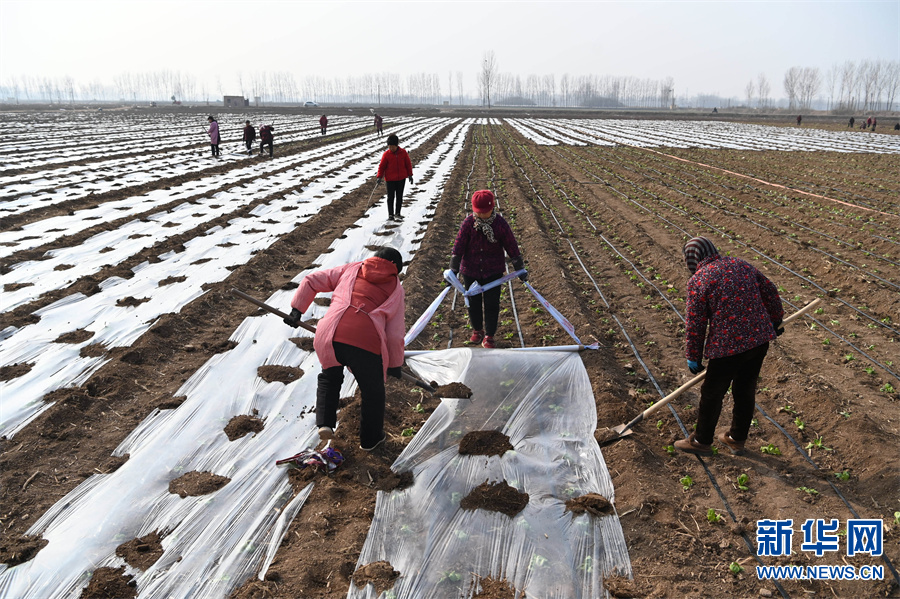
x,y
770,449
869,370
826,341
508,335
714,517
887,388
819,443
659,425
808,490
450,576
743,482
849,357
755,423
536,309
418,409
897,518
687,482
715,451
843,476
790,410
735,568
800,424
587,565
819,311
408,432
538,561
669,449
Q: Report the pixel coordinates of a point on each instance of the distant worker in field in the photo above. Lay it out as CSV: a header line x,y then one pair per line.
x,y
478,255
323,123
897,127
362,330
874,122
743,312
266,138
249,137
214,138
868,122
379,122
850,124
395,168
799,119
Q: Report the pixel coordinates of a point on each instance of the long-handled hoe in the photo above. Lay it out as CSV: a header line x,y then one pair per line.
x,y
623,430
406,376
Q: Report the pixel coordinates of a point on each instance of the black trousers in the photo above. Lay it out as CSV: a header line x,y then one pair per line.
x,y
215,149
369,374
740,372
263,145
249,144
395,196
484,308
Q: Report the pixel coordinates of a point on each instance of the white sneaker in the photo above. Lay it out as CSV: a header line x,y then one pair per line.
x,y
374,447
326,433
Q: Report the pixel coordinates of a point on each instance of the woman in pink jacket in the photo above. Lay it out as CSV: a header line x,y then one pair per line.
x,y
214,137
362,330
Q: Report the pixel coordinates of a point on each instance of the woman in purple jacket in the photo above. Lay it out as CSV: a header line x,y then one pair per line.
x,y
478,255
743,312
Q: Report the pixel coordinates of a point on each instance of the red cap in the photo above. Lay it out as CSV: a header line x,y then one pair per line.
x,y
482,201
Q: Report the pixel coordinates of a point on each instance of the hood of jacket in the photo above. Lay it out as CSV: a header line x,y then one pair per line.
x,y
378,270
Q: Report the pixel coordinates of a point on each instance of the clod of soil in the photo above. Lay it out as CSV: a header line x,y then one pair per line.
x,y
485,443
592,503
620,586
18,551
135,357
142,552
74,336
491,588
94,350
8,373
395,482
281,374
171,404
172,280
16,286
304,343
110,582
242,425
496,497
195,483
131,301
454,390
380,575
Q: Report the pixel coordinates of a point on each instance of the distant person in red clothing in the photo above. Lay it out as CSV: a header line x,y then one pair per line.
x,y
742,309
362,330
874,122
799,119
249,137
478,254
379,129
266,138
214,137
868,122
323,123
395,167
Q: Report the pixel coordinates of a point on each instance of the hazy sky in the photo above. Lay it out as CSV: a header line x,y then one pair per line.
x,y
709,47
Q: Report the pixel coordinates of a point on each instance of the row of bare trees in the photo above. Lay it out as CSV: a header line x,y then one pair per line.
x,y
865,85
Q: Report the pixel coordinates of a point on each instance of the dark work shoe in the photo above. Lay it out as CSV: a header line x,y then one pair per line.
x,y
390,217
691,445
383,439
736,447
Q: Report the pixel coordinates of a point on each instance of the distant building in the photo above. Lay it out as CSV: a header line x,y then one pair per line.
x,y
236,102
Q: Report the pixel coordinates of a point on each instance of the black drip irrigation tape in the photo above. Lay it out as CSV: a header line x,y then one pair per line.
x,y
652,378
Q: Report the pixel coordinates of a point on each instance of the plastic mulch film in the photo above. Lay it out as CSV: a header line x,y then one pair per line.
x,y
543,402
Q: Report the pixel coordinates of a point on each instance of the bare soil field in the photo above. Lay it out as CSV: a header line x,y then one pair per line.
x,y
601,229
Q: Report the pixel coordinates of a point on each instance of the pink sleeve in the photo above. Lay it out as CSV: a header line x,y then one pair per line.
x,y
321,281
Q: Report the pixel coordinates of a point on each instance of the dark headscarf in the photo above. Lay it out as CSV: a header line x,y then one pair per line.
x,y
696,250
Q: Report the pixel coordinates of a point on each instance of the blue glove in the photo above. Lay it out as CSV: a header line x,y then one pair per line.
x,y
695,367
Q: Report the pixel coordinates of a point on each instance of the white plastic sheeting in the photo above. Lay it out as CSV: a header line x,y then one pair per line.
x,y
543,402
213,543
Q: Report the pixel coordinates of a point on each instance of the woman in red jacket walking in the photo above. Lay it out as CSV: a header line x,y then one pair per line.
x,y
395,167
362,330
743,313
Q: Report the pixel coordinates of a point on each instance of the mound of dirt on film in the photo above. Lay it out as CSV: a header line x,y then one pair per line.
x,y
8,373
491,588
74,336
107,583
484,443
18,551
380,575
619,586
242,425
496,497
142,552
194,484
279,374
453,390
592,503
304,343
